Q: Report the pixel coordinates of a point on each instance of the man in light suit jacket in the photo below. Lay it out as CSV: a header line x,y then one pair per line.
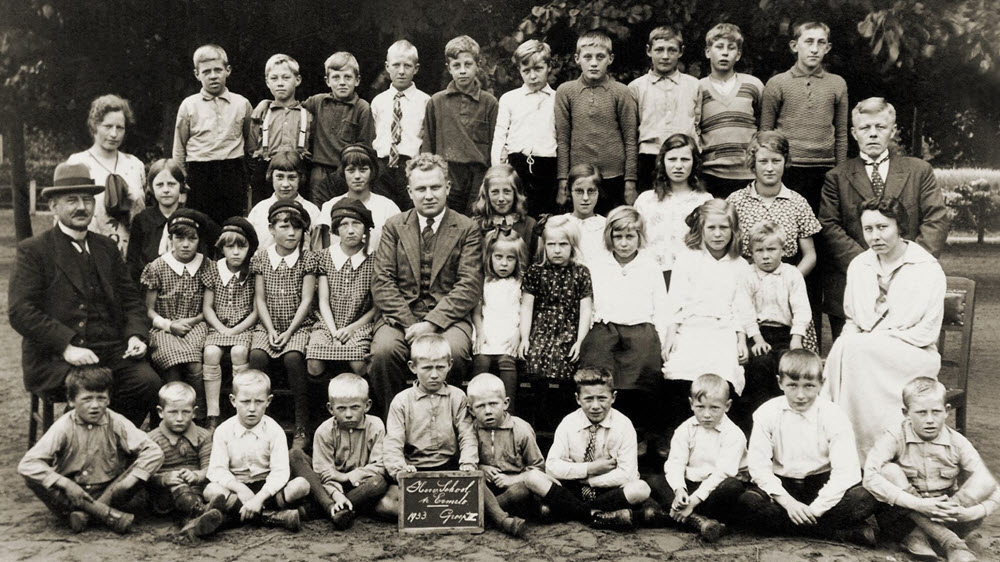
x,y
428,278
72,299
876,173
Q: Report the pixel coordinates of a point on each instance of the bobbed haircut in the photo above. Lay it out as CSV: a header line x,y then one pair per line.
x,y
709,386
176,391
624,217
771,140
347,386
661,183
593,376
923,386
559,224
798,364
173,168
496,238
726,31
695,238
108,103
889,207
230,238
92,378
285,161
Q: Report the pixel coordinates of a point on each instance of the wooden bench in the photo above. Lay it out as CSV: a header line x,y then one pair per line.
x,y
959,314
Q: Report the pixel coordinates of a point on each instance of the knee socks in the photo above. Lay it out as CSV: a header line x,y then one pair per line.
x,y
212,377
295,368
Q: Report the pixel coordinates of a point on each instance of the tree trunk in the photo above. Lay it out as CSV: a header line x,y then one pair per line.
x,y
19,176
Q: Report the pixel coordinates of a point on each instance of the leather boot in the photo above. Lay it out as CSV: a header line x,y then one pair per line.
x,y
118,521
286,519
708,528
620,519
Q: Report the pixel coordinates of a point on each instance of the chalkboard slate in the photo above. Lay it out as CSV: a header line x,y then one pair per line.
x,y
447,501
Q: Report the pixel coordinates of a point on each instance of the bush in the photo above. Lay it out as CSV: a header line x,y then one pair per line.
x,y
973,198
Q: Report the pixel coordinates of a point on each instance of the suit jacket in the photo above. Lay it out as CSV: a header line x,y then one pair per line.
x,y
910,180
46,297
456,271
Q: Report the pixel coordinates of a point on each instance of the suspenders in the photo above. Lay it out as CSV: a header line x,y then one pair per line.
x,y
266,124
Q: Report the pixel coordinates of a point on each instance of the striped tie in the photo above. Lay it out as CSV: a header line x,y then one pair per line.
x,y
397,130
589,493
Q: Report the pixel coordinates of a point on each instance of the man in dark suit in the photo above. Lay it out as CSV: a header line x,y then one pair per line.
x,y
72,300
428,278
876,173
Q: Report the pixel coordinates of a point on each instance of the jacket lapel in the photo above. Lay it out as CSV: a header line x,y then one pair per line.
x,y
409,236
447,235
860,180
104,264
895,178
67,258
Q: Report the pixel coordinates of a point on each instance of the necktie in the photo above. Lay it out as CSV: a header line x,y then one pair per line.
x,y
397,130
589,494
428,232
878,184
82,246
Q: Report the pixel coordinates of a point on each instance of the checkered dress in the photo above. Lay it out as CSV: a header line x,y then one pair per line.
x,y
283,287
177,296
350,298
232,304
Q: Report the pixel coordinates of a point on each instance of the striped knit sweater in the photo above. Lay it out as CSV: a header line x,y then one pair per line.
x,y
727,124
811,110
597,124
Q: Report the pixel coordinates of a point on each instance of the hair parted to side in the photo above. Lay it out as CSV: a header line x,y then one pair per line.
x,y
802,27
765,230
177,391
624,217
798,364
924,386
496,239
92,378
280,59
661,183
347,386
459,45
108,103
593,376
554,226
594,38
890,208
665,33
709,386
341,60
873,106
173,168
499,173
430,347
210,52
585,171
484,385
532,51
403,48
250,378
725,31
695,238
425,161
771,140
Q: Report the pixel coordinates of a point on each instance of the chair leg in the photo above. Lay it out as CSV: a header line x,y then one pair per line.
x,y
48,413
960,418
33,421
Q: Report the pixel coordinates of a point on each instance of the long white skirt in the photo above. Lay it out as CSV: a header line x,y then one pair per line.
x,y
705,349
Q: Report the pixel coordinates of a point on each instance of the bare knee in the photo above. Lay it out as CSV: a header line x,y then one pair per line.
x,y
388,506
296,489
213,355
538,482
213,490
636,491
239,354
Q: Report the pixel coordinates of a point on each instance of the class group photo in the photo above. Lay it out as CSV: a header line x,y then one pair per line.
x,y
484,280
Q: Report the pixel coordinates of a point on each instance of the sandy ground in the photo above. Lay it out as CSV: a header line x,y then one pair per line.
x,y
29,532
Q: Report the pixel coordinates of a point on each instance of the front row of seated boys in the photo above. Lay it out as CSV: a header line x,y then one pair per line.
x,y
798,475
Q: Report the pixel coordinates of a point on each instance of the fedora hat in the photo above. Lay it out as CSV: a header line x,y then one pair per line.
x,y
71,178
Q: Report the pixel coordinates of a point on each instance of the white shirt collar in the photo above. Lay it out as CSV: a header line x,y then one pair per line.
x,y
178,267
406,93
546,89
76,235
224,272
583,422
422,220
290,260
340,258
870,162
783,192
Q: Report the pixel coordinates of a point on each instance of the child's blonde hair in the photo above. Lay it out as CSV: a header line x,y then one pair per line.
x,y
727,31
800,28
505,173
346,386
532,51
624,217
485,384
459,45
210,52
923,386
177,391
495,238
231,238
565,225
280,59
798,364
249,378
341,60
765,230
695,238
709,386
430,347
595,38
665,33
403,48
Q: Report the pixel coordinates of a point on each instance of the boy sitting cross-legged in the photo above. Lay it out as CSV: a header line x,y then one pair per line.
x,y
429,428
804,463
179,484
79,468
594,456
707,451
931,474
345,473
249,463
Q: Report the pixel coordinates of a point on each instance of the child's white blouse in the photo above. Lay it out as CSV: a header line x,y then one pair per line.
x,y
501,314
706,291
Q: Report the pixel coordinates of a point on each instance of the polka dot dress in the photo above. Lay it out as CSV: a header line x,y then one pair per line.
x,y
556,317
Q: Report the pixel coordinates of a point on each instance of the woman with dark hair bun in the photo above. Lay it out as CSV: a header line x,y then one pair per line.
x,y
894,304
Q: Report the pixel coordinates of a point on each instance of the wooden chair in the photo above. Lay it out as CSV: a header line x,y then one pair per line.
x,y
42,414
959,313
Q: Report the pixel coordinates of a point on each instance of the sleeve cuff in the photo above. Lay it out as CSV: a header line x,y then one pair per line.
x,y
141,474
51,479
